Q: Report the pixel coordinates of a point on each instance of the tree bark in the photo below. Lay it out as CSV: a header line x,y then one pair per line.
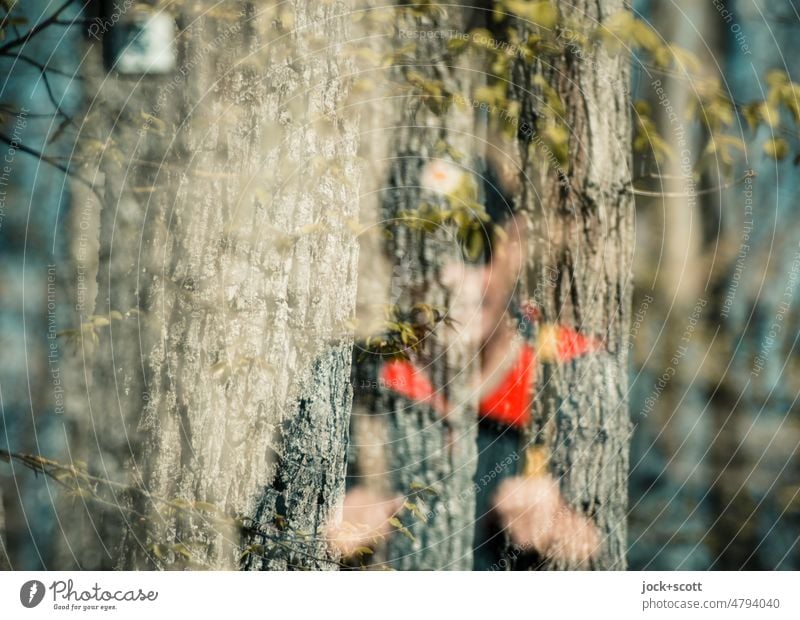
x,y
427,449
230,184
582,223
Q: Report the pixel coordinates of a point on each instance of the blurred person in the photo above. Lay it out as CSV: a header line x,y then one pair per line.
x,y
523,507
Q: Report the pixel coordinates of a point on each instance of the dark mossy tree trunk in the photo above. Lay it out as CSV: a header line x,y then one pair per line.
x,y
227,274
5,560
581,212
427,449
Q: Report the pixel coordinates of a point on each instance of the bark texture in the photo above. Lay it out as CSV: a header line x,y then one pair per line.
x,y
427,449
582,223
229,187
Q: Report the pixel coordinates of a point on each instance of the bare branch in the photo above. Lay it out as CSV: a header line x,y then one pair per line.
x,y
749,174
21,41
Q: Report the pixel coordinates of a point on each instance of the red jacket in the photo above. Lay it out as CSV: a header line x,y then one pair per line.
x,y
511,399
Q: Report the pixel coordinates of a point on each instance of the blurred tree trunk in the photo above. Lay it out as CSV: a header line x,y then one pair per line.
x,y
754,324
5,560
428,449
581,212
669,475
226,278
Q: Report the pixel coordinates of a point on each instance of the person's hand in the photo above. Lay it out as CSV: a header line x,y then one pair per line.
x,y
536,517
527,508
362,519
576,539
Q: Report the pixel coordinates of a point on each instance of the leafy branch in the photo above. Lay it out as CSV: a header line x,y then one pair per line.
x,y
78,482
403,331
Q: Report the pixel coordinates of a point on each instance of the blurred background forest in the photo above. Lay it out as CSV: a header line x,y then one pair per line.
x,y
714,478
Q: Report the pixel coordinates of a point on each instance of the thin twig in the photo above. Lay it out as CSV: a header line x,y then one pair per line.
x,y
53,162
37,29
55,471
749,174
42,67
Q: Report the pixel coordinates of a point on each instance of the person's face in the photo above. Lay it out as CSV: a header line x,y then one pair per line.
x,y
482,294
501,276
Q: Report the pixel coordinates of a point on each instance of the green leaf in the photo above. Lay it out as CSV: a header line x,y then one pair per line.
x,y
751,114
182,549
724,146
776,148
474,244
414,509
157,550
556,137
617,31
540,13
776,77
395,522
255,549
405,532
100,321
645,36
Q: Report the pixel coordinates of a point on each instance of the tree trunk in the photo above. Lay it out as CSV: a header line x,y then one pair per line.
x,y
582,223
5,559
753,313
669,477
427,449
229,187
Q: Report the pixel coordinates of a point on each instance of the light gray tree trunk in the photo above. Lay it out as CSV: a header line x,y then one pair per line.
x,y
667,517
225,230
583,230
